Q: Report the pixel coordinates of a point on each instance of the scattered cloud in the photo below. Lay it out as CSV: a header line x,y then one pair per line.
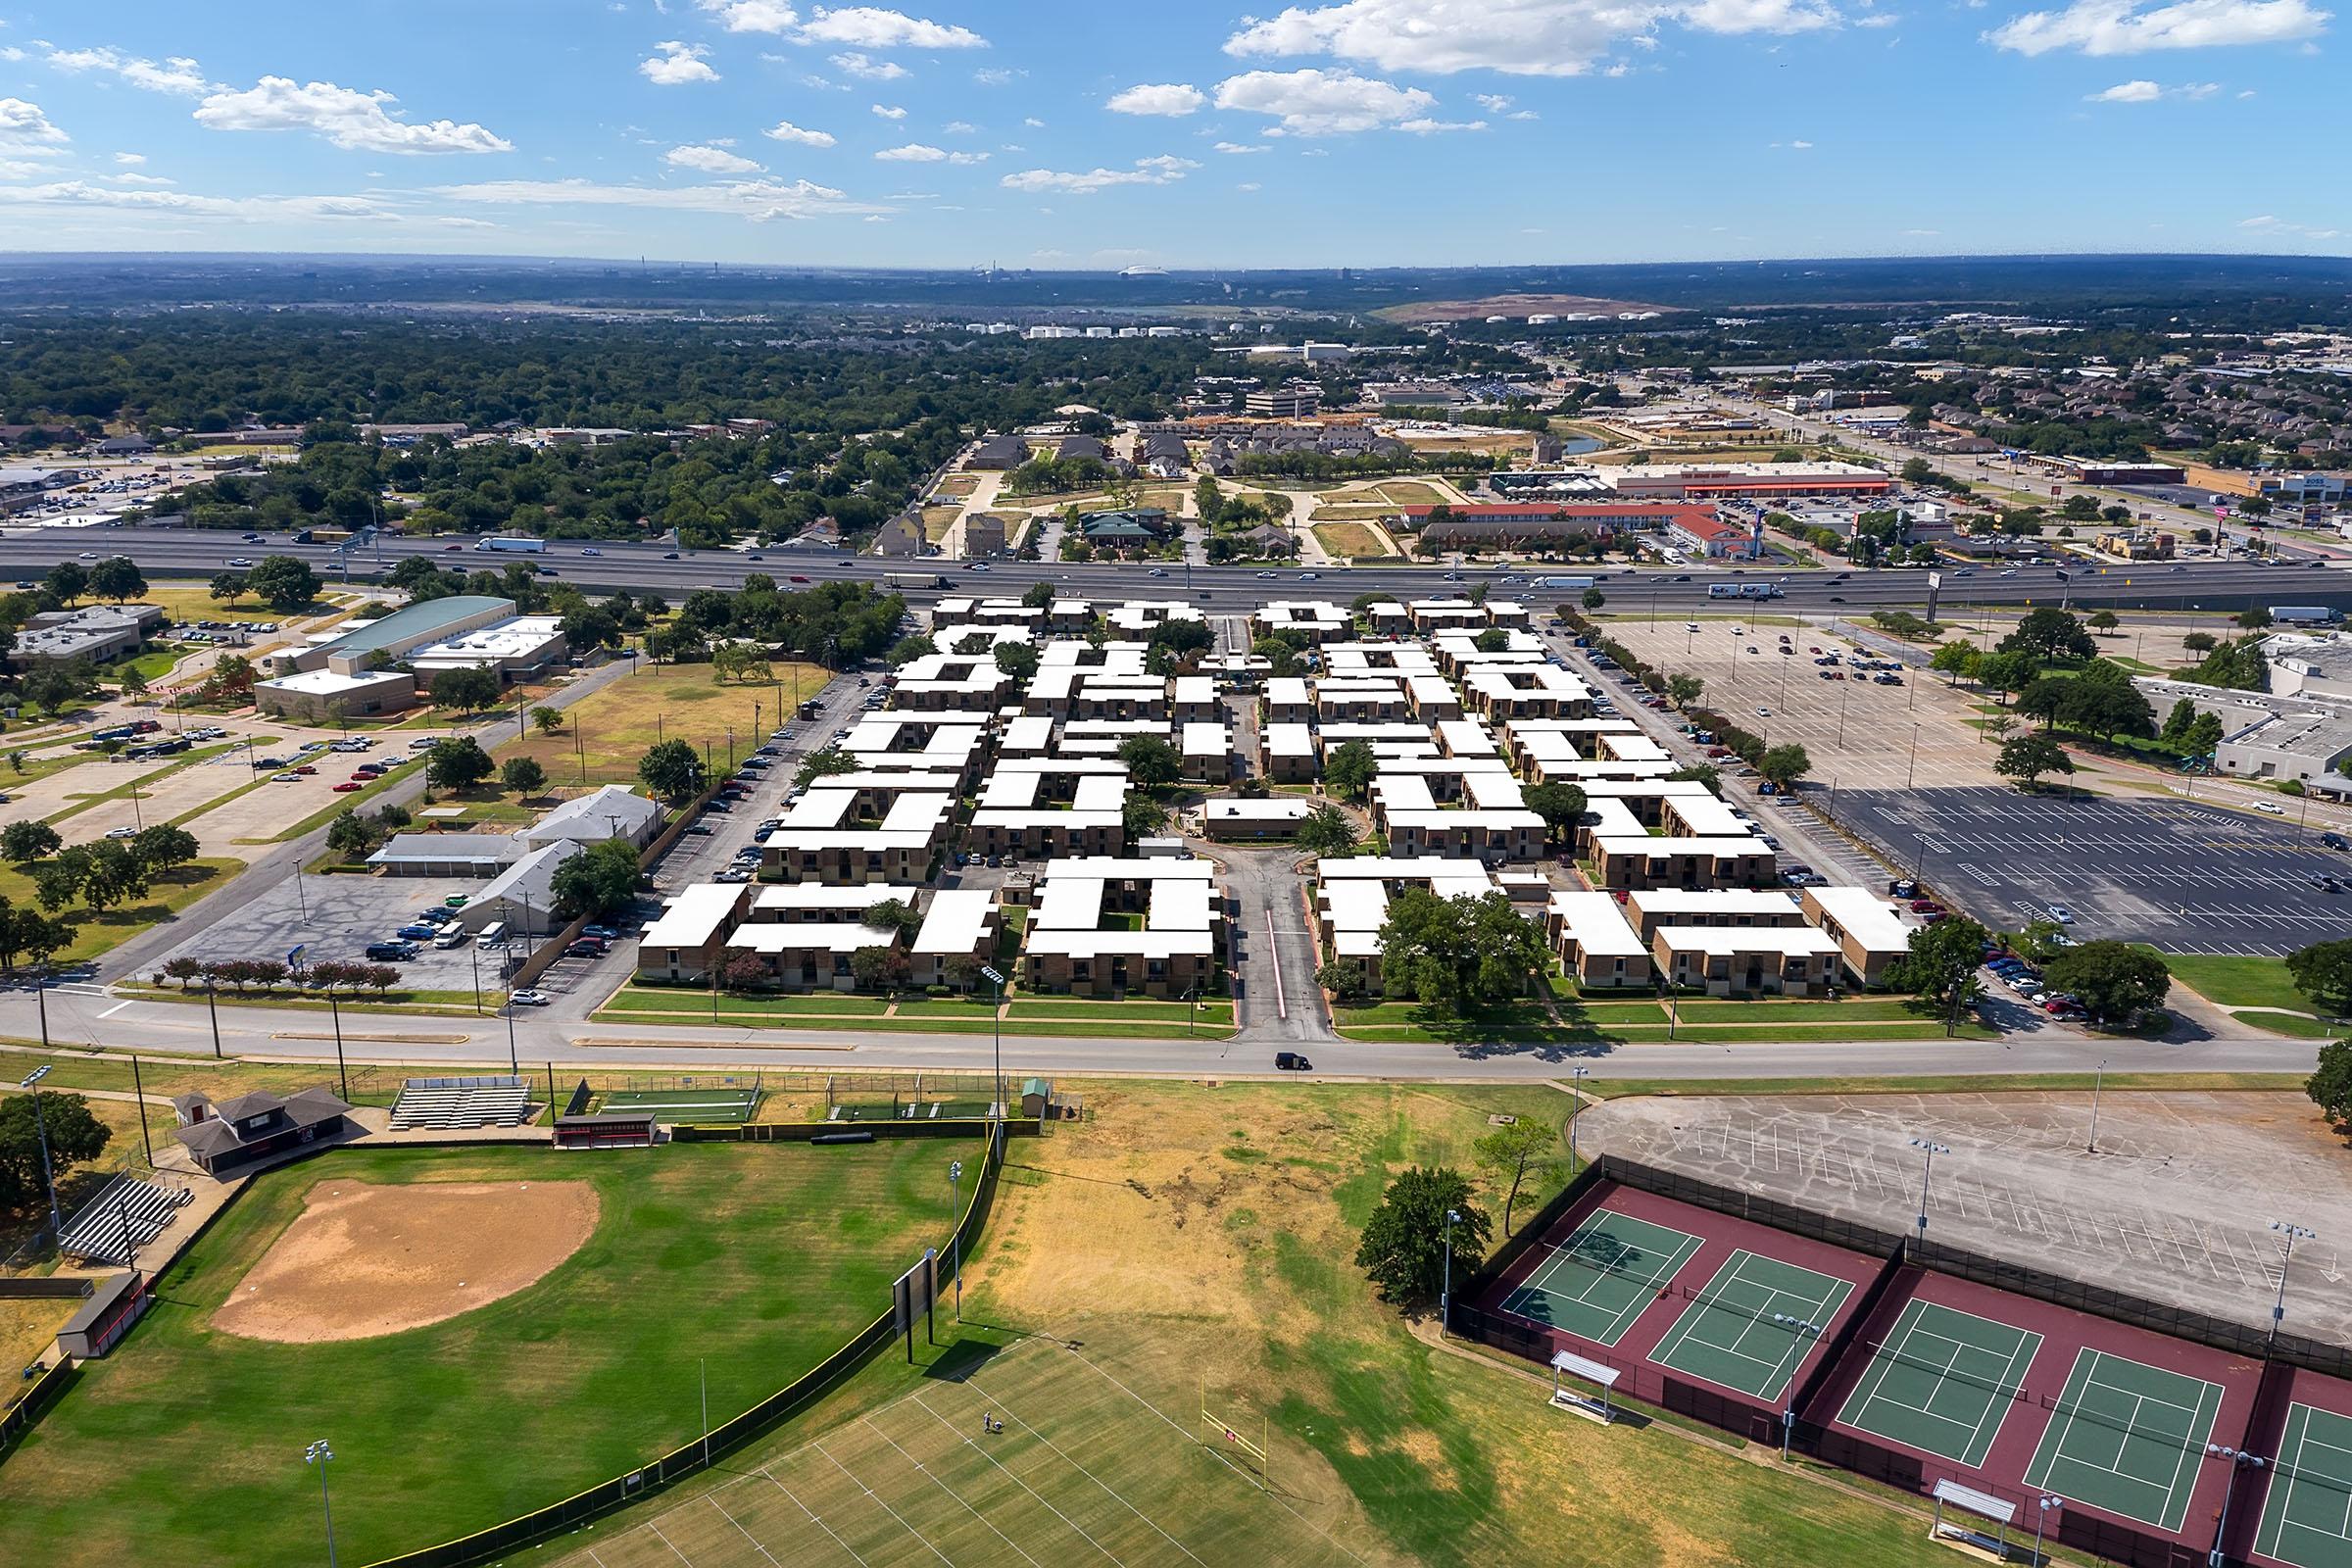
x,y
752,16
959,128
1249,184
23,125
131,158
1426,126
786,131
1161,170
888,111
1323,103
1163,98
676,63
916,152
2280,227
347,118
757,200
872,27
866,67
2143,91
2125,27
177,75
1034,123
997,76
1241,148
140,179
709,160
1517,37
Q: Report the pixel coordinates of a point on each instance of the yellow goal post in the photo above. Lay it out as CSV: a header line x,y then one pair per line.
x,y
1224,1430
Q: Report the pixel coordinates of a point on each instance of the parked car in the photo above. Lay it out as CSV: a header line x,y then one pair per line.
x,y
451,939
585,947
348,786
418,931
2062,914
527,997
391,952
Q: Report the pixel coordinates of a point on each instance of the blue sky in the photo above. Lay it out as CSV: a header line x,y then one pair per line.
x,y
1053,134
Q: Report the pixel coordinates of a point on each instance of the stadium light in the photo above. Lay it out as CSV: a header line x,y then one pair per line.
x,y
1933,1148
2098,1078
997,1015
2293,1234
2041,1519
1574,1112
1446,1296
42,1122
955,1217
318,1454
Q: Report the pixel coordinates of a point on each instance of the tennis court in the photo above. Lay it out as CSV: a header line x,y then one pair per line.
x,y
2127,1438
1752,1324
2307,1518
701,1107
1941,1382
1596,1281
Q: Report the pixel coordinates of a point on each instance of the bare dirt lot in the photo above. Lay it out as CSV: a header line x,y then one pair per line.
x,y
363,1260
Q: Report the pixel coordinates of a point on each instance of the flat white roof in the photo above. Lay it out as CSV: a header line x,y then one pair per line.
x,y
692,918
511,638
823,936
1649,844
326,683
1597,924
1868,918
959,920
818,896
1728,939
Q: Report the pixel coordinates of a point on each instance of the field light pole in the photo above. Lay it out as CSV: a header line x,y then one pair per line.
x,y
2098,1077
956,1214
1575,1111
702,1368
1933,1149
42,1122
997,1016
2238,1459
318,1454
2291,1233
1445,1295
2041,1519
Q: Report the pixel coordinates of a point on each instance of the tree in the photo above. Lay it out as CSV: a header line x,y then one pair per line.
x,y
29,933
24,843
1528,1147
1282,659
351,835
1039,595
1404,1244
877,967
1493,640
1017,659
1343,980
1784,765
2330,1085
906,650
1458,955
2103,620
523,775
66,581
1955,661
894,915
546,720
228,586
2010,670
600,879
2111,979
673,770
1348,770
2177,722
465,690
2200,642
285,583
1559,804
72,1133
118,578
1150,760
1326,830
1684,690
133,683
458,762
164,847
1141,817
2050,633
819,765
2253,618
2028,757
2323,972
1594,599
744,971
1939,967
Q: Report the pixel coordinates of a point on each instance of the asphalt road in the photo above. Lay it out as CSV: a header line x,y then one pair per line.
x,y
27,553
2183,877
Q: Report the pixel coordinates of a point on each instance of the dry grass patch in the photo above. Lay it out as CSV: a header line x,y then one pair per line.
x,y
606,732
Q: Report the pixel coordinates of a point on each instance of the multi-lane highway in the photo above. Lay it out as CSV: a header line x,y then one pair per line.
x,y
26,552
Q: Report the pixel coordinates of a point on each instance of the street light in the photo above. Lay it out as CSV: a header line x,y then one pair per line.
x,y
41,1123
318,1454
2041,1519
2293,1234
1446,1296
1933,1149
2238,1459
997,1015
2098,1077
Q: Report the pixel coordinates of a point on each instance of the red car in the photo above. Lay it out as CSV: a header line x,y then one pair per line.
x,y
445,549
1925,906
1718,751
304,768
797,579
348,786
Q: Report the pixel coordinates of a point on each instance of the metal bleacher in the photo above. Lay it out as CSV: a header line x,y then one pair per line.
x,y
126,1216
483,1101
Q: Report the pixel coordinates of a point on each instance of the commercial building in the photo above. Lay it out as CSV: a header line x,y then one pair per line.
x,y
1297,400
2105,470
515,648
321,696
1714,539
1746,481
391,639
2136,543
95,634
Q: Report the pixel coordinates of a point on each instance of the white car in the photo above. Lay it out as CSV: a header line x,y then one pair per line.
x,y
122,832
2062,914
2270,807
530,999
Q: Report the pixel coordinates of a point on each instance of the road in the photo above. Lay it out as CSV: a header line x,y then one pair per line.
x,y
27,553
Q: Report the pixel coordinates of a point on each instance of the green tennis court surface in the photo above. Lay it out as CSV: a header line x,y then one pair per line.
x,y
2126,1438
1597,1283
687,1105
1752,1324
1941,1382
2307,1518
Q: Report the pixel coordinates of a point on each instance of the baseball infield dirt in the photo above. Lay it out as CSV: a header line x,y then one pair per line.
x,y
363,1260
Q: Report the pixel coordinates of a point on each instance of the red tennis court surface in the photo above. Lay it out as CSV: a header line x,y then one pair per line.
x,y
2296,1512
1704,1348
2087,1409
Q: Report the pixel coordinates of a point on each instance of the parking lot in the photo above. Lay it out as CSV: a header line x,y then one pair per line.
x,y
2183,877
338,917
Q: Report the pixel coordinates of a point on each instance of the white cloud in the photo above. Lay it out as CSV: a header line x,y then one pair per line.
x,y
997,76
1249,184
676,65
1494,103
1161,170
2268,225
1034,123
2123,28
1518,37
2148,92
872,27
889,111
865,66
1426,126
23,125
752,16
140,179
916,152
1323,103
177,75
1162,98
959,128
708,160
1240,148
759,200
345,116
131,158
786,131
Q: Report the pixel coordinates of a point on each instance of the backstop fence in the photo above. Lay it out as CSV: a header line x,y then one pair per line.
x,y
669,1469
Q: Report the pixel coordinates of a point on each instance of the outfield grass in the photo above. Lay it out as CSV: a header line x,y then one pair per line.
x,y
609,729
186,1444
2238,982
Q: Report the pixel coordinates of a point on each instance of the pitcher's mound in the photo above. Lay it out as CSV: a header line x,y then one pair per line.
x,y
362,1260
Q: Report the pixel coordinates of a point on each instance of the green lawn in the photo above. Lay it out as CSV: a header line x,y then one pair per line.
x,y
2293,1024
167,894
186,1442
2238,982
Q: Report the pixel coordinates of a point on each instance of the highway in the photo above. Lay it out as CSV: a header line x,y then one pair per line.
x,y
26,552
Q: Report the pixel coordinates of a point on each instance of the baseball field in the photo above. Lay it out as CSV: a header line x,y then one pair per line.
x,y
475,1332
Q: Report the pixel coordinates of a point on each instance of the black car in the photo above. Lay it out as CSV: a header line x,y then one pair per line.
x,y
1292,1061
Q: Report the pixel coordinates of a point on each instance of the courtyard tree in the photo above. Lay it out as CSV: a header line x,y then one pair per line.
x,y
877,967
815,765
1150,760
1559,804
1404,1246
1458,955
1326,830
1348,770
1017,659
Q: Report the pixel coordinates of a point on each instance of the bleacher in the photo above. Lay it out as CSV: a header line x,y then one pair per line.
x,y
447,1103
126,1216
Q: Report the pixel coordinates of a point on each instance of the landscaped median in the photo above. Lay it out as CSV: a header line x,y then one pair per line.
x,y
1568,1020
2258,993
1138,1020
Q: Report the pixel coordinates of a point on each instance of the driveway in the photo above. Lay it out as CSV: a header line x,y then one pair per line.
x,y
1274,948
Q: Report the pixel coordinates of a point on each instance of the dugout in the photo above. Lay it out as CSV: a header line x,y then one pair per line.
x,y
117,1302
612,1129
